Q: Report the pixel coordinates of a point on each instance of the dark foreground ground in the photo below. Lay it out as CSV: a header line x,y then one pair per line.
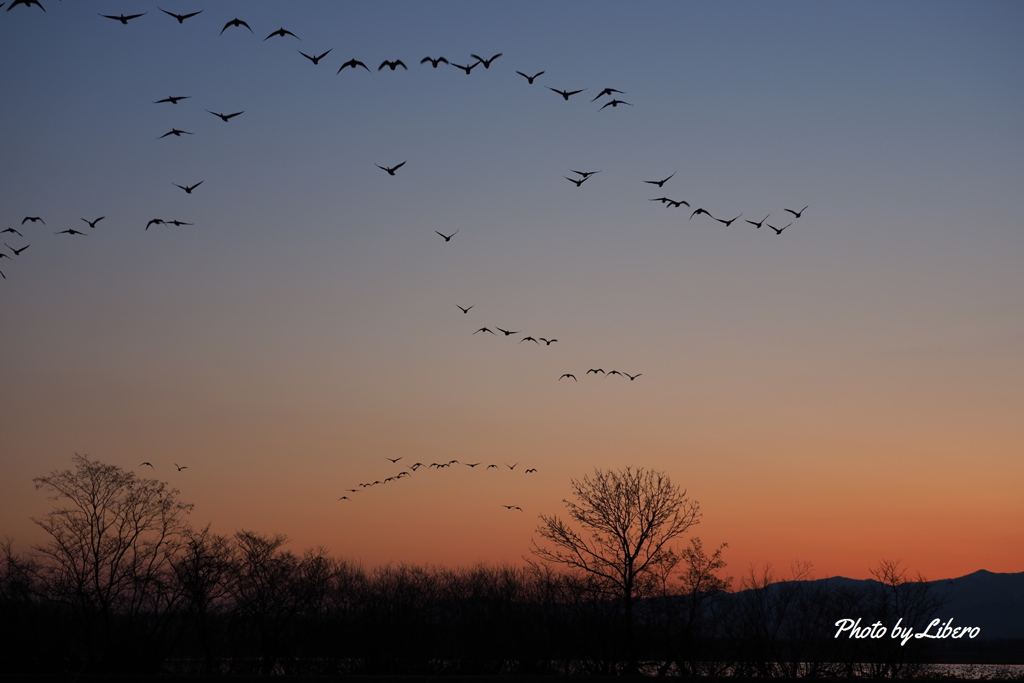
x,y
51,678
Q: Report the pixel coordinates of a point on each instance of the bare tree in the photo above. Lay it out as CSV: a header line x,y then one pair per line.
x,y
112,537
629,518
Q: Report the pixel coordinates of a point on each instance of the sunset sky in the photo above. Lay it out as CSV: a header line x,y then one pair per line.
x,y
849,390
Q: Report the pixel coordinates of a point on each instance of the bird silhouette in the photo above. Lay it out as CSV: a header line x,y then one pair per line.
x,y
315,60
759,223
188,188
281,32
3,255
778,231
511,467
180,17
568,374
485,329
392,65
595,371
675,204
660,183
470,464
26,3
613,372
532,469
507,332
17,252
585,174
32,219
632,377
177,222
548,341
697,212
148,464
393,459
467,69
728,222
353,63
529,339
92,224
614,103
797,214
235,22
175,132
154,221
512,507
391,171
433,62
529,79
122,18
566,94
70,231
173,99
490,466
607,91
578,181
226,117
447,238
181,467
464,310
12,230
344,498
485,62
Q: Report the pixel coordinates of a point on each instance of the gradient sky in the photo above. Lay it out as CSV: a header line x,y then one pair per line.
x,y
847,391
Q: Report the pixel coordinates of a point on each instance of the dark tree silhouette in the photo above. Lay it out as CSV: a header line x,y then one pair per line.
x,y
629,518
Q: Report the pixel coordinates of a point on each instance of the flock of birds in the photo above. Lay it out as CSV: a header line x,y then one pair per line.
x,y
607,97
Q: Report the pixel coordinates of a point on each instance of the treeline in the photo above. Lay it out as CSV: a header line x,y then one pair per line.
x,y
246,605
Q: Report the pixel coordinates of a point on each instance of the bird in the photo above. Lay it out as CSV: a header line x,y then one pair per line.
x,y
507,332
529,339
344,498
511,467
17,252
26,3
393,459
433,62
529,79
3,255
12,230
180,17
660,183
173,99
485,329
758,224
613,372
175,132
92,224
566,93
464,310
485,62
585,174
154,221
281,32
353,63
574,180
177,222
512,507
391,171
226,117
614,103
700,211
607,91
568,374
315,60
148,464
632,377
728,222
490,466
470,464
122,18
392,65
532,469
70,231
595,371
181,467
32,219
548,341
778,231
797,213
235,22
676,204
447,238
188,188
467,69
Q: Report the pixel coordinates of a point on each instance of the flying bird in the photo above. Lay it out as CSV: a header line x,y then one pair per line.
x,y
632,377
532,469
607,91
529,339
177,222
585,174
172,99
226,117
433,62
175,132
512,507
565,93
281,32
574,180
392,65
33,219
676,204
181,467
464,310
391,171
344,498
467,69
353,63
778,231
507,332
614,103
490,466
447,238
122,18
188,188
728,222
92,224
154,221
485,62
315,60
26,3
797,213
568,374
485,329
180,17
511,467
613,372
235,22
758,224
595,371
700,211
548,341
70,231
17,252
12,230
660,183
393,459
529,79
148,464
